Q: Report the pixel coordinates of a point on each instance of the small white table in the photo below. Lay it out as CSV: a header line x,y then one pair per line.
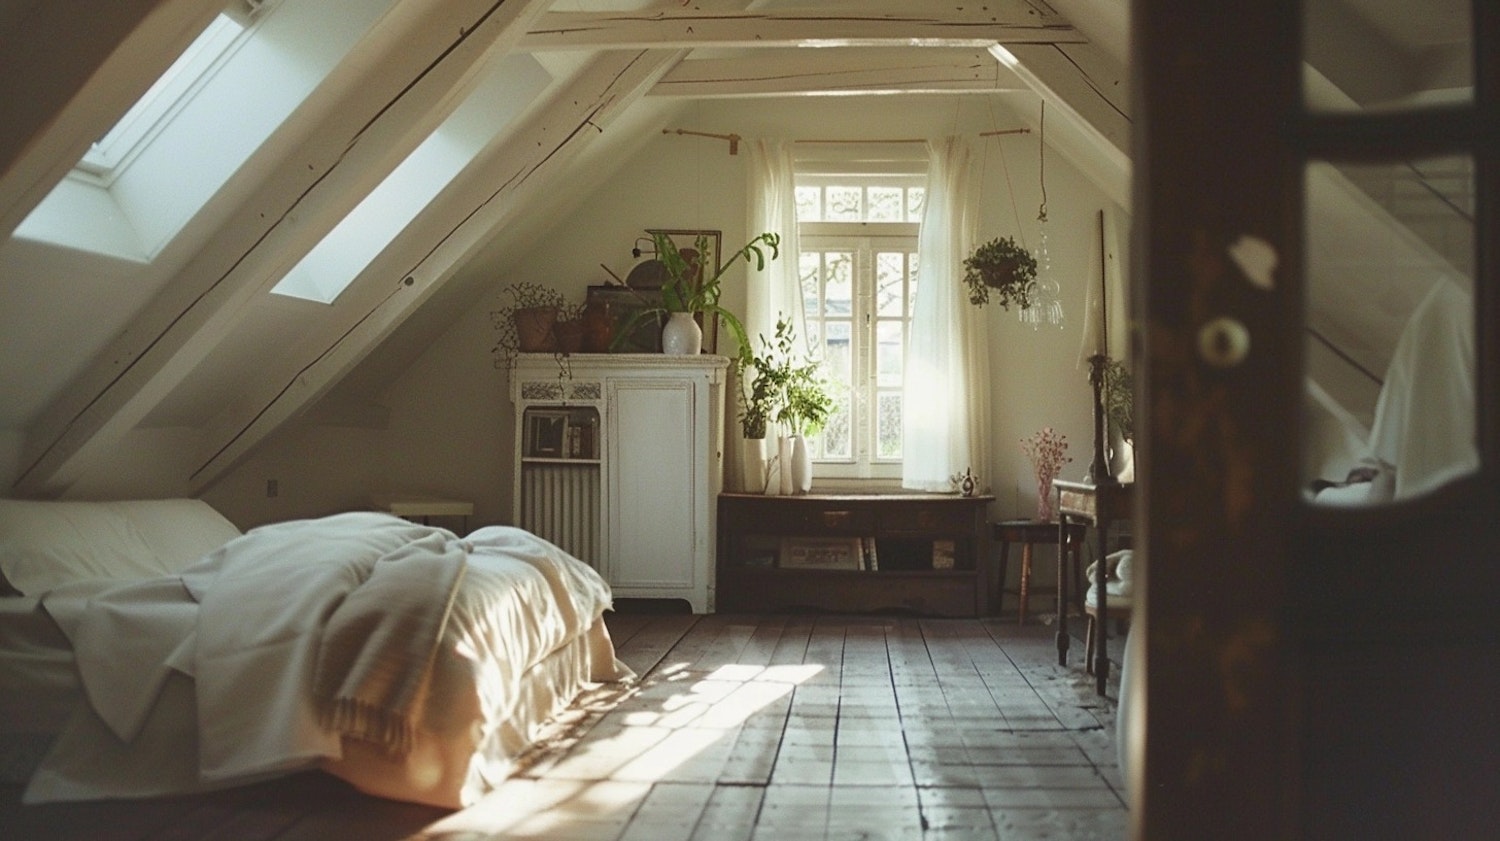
x,y
424,508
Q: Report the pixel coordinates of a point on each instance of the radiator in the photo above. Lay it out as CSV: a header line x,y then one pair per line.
x,y
560,503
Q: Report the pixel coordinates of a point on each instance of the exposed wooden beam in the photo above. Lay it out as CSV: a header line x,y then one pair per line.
x,y
843,71
429,50
457,224
998,21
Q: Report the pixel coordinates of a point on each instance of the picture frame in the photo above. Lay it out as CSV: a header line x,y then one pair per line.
x,y
546,433
619,305
645,280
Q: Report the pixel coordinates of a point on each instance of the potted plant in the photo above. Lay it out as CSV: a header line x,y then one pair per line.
x,y
1003,269
530,323
779,385
690,290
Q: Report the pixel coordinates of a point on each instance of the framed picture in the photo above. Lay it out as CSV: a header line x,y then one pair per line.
x,y
646,279
546,432
619,305
821,553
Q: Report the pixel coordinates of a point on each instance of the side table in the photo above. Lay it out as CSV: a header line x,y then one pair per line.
x,y
1028,533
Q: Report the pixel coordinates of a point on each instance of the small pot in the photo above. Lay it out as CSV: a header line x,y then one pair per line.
x,y
534,329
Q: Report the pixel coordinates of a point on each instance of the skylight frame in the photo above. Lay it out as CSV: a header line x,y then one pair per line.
x,y
112,153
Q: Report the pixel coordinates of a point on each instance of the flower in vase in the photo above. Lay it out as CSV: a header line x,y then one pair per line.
x,y
1048,451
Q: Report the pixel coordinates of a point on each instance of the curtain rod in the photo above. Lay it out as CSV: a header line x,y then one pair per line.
x,y
734,139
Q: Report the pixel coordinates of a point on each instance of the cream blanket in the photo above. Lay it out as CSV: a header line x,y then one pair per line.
x,y
300,635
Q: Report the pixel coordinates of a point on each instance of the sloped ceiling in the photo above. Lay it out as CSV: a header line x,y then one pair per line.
x,y
97,346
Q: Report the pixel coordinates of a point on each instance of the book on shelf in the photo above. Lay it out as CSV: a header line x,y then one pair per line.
x,y
942,554
871,558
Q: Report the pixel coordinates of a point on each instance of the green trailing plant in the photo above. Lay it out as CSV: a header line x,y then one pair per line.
x,y
547,304
688,290
1119,398
779,384
1002,270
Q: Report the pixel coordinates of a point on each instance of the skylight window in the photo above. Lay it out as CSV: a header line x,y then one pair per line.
x,y
154,110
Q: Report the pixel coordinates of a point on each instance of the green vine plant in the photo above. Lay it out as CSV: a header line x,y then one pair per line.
x,y
778,384
1003,270
1119,398
686,289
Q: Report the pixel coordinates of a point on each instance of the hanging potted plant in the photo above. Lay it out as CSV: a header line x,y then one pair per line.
x,y
689,291
1002,269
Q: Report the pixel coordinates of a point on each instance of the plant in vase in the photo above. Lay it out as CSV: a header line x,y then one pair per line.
x,y
1119,409
779,385
529,323
1048,451
687,292
1002,269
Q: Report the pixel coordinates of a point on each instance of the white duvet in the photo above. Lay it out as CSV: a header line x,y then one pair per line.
x,y
411,661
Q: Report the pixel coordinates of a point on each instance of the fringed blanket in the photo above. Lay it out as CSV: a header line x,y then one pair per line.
x,y
299,635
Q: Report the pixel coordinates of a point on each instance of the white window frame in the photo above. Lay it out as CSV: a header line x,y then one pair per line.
x,y
864,240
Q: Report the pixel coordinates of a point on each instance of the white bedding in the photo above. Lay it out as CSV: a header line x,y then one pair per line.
x,y
209,677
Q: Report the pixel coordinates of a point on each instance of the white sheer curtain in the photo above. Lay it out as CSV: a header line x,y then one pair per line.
x,y
945,406
773,207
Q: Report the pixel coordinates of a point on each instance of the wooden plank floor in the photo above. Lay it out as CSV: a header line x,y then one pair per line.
x,y
740,727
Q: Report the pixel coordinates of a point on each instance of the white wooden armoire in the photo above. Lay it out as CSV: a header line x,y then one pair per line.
x,y
619,461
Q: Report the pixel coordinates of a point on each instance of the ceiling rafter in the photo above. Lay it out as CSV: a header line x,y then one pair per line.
x,y
843,71
1000,21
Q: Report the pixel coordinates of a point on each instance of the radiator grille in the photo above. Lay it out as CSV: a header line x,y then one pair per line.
x,y
560,502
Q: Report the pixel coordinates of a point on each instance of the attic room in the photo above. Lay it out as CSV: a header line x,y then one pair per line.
x,y
256,256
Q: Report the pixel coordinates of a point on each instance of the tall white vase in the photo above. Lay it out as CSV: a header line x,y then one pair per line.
x,y
783,469
756,468
681,336
801,465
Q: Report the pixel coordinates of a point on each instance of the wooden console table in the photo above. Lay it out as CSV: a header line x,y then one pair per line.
x,y
1099,506
854,553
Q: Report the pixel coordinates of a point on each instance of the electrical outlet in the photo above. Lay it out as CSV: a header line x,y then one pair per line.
x,y
273,487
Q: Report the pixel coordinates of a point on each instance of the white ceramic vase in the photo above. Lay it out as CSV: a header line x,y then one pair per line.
x,y
681,336
801,466
781,472
756,468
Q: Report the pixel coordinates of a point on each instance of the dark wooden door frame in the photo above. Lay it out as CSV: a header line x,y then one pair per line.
x,y
1307,674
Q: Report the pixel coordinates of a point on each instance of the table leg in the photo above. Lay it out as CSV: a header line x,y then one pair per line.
x,y
1025,580
1101,621
1062,587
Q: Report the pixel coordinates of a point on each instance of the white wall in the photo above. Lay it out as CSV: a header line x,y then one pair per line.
x,y
449,431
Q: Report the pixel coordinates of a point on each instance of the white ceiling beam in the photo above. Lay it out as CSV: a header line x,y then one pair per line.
x,y
456,226
430,50
843,71
998,21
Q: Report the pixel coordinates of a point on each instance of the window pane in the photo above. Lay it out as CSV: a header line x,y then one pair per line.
x,y
886,205
838,283
1389,409
1387,56
888,425
837,439
890,271
915,201
888,353
845,204
809,204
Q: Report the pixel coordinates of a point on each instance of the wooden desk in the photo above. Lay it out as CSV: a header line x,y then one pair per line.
x,y
1099,506
1029,533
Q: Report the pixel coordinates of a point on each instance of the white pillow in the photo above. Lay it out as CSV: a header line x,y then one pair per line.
x,y
46,544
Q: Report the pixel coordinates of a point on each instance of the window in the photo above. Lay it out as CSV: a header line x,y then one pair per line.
x,y
858,266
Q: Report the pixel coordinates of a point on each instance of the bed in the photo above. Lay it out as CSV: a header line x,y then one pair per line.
x,y
150,648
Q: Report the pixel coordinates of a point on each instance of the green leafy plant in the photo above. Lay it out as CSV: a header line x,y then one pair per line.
x,y
688,290
781,385
1002,269
1119,398
545,305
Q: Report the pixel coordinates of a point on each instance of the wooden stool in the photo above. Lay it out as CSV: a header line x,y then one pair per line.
x,y
1029,533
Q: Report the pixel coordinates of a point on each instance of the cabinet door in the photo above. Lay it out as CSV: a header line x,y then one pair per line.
x,y
655,498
